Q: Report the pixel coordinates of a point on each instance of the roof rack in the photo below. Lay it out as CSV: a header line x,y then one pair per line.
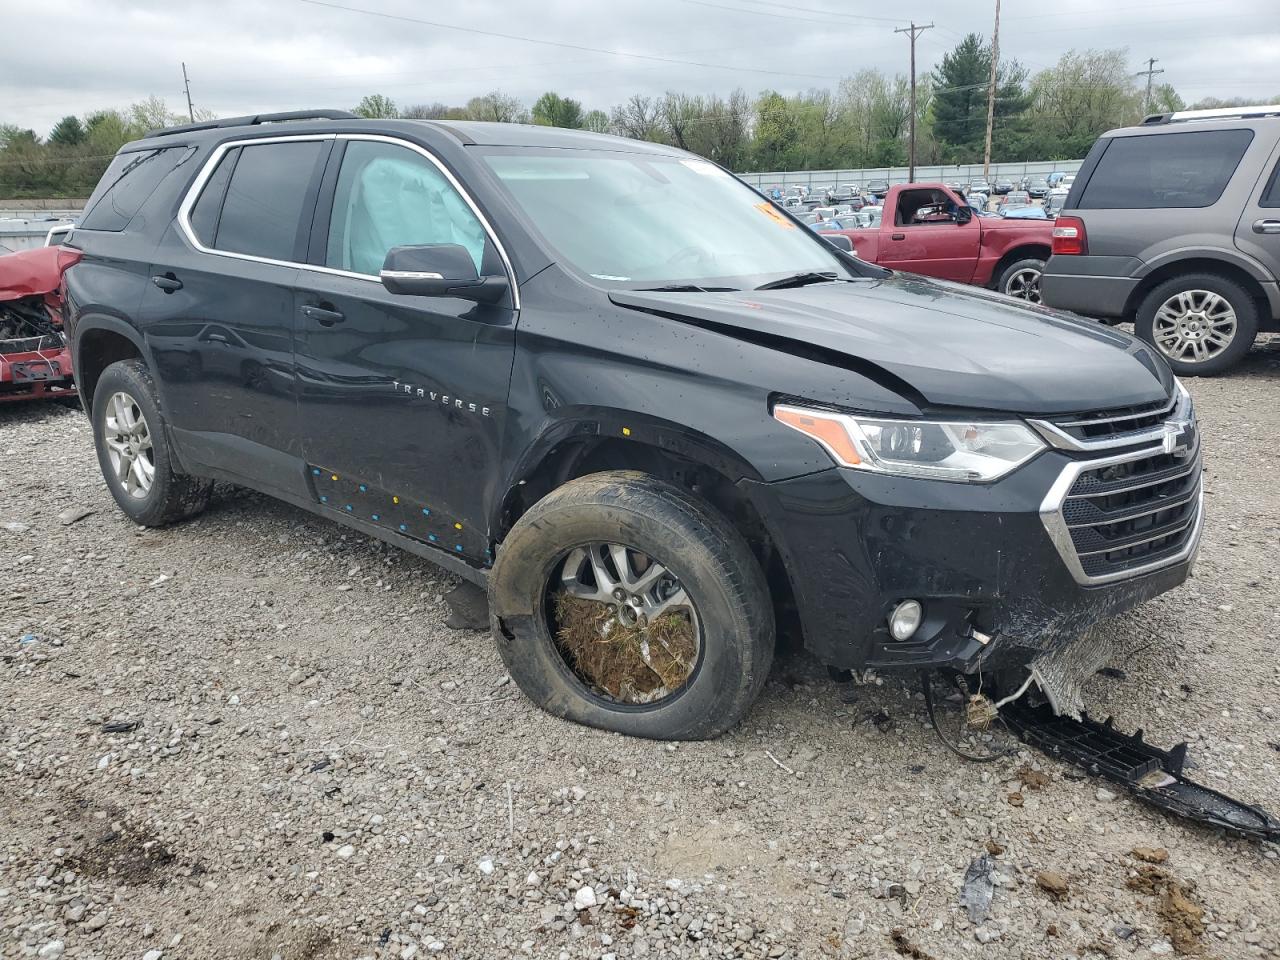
x,y
1220,113
253,120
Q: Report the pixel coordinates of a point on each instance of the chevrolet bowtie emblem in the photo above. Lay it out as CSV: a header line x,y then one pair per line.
x,y
1175,440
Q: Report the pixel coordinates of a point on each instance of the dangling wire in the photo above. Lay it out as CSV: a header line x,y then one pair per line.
x,y
927,688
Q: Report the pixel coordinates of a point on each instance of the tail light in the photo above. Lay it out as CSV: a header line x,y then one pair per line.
x,y
67,257
1069,237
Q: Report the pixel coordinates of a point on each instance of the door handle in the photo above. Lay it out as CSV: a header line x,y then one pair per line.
x,y
322,315
216,338
168,283
1266,226
897,236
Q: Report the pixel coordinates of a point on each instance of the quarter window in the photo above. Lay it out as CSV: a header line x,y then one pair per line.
x,y
389,196
1165,170
1271,195
265,212
128,182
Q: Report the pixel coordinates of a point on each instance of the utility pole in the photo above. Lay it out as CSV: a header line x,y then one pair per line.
x,y
913,31
191,111
1150,72
991,96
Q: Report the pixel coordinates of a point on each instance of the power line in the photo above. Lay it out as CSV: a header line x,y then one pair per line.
x,y
827,13
764,13
562,44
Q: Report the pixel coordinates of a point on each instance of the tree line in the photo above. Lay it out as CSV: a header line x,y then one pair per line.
x,y
1052,114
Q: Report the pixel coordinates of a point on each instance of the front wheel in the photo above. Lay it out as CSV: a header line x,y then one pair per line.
x,y
133,451
1202,323
1021,279
620,601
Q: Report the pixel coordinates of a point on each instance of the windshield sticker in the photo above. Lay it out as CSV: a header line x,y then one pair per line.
x,y
605,276
770,211
704,168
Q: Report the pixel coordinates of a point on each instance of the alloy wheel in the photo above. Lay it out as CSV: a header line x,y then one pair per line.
x,y
1194,326
624,624
1025,285
128,440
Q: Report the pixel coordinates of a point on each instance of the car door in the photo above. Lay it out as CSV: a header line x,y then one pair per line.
x,y
948,250
1258,233
218,313
401,399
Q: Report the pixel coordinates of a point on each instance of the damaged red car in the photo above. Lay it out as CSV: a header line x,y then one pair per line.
x,y
34,362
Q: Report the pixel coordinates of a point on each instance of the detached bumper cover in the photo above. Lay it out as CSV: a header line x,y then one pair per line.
x,y
995,585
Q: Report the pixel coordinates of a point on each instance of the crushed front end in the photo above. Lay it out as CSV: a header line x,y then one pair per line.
x,y
1011,573
34,360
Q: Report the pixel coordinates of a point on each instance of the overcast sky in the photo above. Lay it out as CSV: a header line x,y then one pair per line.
x,y
247,56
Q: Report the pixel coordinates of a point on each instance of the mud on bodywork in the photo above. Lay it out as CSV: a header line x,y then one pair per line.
x,y
34,360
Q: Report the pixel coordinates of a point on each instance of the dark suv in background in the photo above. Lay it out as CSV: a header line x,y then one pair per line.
x,y
653,415
1175,226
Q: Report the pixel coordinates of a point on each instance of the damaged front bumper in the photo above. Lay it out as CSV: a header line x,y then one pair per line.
x,y
1008,573
35,368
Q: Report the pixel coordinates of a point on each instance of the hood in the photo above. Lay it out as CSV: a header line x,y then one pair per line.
x,y
956,346
30,273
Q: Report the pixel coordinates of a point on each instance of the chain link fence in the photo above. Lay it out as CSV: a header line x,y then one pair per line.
x,y
948,173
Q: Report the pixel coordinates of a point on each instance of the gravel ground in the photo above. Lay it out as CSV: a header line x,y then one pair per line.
x,y
306,763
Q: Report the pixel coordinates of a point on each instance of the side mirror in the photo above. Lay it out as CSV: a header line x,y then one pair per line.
x,y
839,241
439,270
964,215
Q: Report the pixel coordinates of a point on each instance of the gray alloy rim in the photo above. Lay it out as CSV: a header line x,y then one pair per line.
x,y
1025,285
638,638
1194,326
128,440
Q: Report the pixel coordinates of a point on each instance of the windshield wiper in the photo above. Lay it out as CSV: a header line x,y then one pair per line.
x,y
685,288
799,280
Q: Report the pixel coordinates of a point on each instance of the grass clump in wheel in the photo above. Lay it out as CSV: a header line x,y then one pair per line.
x,y
637,663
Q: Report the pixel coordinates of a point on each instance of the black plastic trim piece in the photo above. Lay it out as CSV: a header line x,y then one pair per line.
x,y
1151,774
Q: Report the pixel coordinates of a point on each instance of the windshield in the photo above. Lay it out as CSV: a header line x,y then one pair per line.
x,y
638,218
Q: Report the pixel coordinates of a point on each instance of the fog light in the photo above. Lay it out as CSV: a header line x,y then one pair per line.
x,y
905,619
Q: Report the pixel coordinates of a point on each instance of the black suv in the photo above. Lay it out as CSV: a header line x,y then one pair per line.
x,y
652,414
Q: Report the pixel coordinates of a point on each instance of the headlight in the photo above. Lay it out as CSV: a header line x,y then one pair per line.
x,y
968,451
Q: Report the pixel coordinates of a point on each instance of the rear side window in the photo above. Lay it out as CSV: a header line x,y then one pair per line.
x,y
265,210
1165,170
129,181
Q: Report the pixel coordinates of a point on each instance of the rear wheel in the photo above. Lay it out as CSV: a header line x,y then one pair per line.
x,y
133,451
1202,323
621,602
1021,279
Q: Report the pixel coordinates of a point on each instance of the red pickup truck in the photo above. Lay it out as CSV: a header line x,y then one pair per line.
x,y
928,228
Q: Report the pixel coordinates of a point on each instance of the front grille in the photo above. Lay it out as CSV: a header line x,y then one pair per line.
x,y
1133,514
1108,424
1119,515
46,341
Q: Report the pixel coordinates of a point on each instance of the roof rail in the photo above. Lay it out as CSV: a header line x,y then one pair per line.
x,y
253,120
1218,113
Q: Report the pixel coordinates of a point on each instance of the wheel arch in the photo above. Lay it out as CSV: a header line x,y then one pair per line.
x,y
610,440
100,342
1168,269
1025,251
